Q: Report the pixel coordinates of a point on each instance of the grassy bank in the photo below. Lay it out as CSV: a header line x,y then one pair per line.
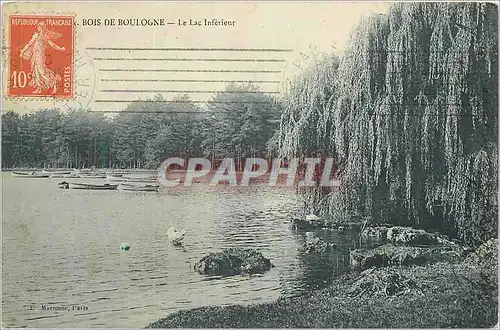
x,y
438,295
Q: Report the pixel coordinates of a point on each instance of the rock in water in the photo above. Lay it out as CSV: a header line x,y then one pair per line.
x,y
405,236
125,247
311,221
379,232
414,237
233,261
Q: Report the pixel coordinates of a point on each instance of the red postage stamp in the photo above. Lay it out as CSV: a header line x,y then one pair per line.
x,y
41,56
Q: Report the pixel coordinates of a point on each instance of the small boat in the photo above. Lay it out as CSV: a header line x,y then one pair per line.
x,y
149,179
16,174
29,175
63,185
88,186
86,173
130,187
82,170
91,176
64,176
115,177
118,172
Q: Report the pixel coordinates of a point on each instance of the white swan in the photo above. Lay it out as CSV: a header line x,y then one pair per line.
x,y
175,235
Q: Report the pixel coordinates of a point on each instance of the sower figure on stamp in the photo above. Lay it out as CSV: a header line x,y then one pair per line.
x,y
34,51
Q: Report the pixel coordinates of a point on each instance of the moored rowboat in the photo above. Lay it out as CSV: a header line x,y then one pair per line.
x,y
91,176
88,186
130,187
114,177
29,175
64,176
149,179
55,172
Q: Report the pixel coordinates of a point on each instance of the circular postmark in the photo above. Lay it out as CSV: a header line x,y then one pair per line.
x,y
84,82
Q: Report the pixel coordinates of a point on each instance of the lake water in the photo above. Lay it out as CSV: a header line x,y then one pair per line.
x,y
62,247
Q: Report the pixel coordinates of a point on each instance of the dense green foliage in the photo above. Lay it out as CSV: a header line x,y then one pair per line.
x,y
52,138
306,119
412,120
241,119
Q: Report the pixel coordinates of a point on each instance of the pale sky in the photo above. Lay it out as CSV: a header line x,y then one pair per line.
x,y
302,27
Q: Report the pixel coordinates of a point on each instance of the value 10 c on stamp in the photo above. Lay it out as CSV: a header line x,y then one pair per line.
x,y
41,49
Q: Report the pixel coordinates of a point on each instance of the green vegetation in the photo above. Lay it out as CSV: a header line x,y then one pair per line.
x,y
434,296
241,121
50,137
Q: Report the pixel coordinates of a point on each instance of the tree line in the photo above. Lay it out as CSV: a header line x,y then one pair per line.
x,y
237,122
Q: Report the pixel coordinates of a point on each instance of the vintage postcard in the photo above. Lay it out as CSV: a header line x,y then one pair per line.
x,y
249,164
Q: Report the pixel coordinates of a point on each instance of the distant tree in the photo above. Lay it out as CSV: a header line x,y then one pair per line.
x,y
241,121
179,136
11,143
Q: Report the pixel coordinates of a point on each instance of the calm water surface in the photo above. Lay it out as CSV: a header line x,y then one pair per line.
x,y
62,247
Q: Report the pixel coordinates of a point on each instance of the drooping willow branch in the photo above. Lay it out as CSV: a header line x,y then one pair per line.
x,y
411,115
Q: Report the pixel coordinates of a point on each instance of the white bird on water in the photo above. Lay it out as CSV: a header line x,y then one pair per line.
x,y
175,235
312,218
125,247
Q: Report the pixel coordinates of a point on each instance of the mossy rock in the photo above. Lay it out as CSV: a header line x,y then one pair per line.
x,y
315,244
304,224
379,232
411,236
233,261
485,256
405,236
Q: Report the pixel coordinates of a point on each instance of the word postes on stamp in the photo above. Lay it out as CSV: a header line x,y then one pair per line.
x,y
41,56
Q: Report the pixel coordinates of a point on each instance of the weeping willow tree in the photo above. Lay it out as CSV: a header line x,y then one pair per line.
x,y
412,119
306,121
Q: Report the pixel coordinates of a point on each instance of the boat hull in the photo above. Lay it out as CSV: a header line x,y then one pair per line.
x,y
56,172
88,186
91,176
64,176
128,187
145,180
115,178
29,175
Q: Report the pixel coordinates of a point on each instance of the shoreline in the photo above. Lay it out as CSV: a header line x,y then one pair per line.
x,y
442,294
